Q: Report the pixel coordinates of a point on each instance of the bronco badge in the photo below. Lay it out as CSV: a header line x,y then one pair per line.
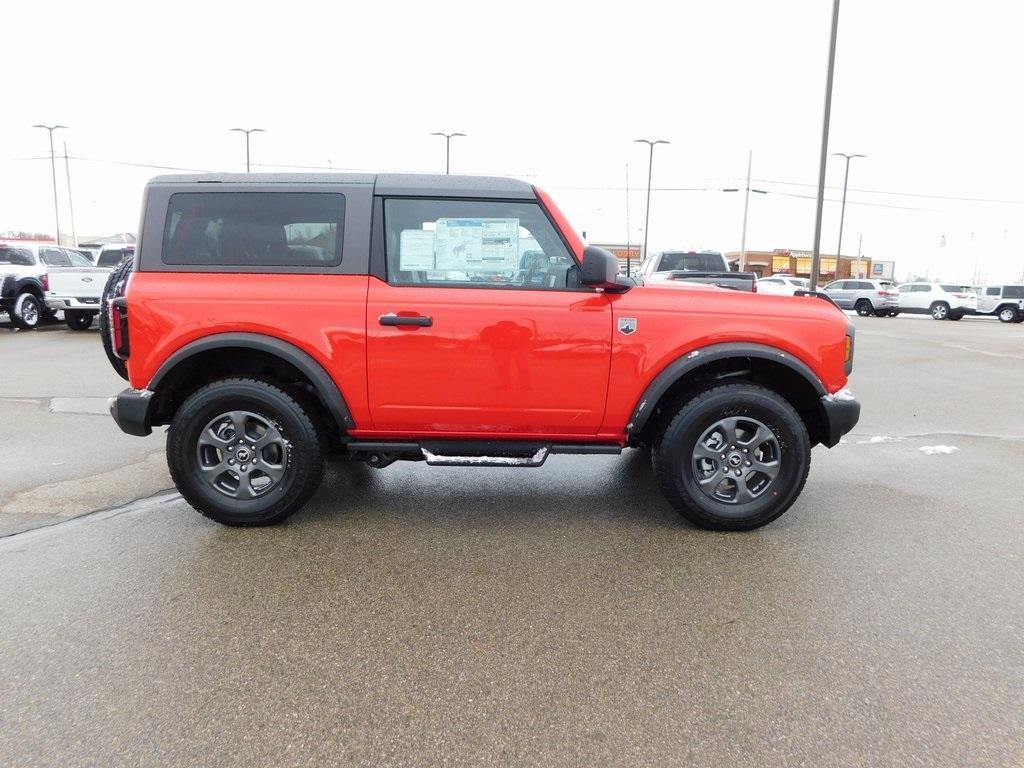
x,y
627,325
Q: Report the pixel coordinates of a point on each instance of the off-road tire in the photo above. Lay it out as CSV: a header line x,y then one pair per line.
x,y
119,273
939,310
78,319
864,308
673,460
27,311
287,411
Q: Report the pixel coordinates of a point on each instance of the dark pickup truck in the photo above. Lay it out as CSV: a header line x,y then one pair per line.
x,y
697,267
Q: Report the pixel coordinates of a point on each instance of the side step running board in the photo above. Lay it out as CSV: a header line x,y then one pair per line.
x,y
536,460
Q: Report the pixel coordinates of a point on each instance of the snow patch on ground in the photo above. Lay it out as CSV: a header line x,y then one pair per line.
x,y
881,439
932,450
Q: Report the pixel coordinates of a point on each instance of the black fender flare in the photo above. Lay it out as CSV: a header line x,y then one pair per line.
x,y
698,358
12,285
322,381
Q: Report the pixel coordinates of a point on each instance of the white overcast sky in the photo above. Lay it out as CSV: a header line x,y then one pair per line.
x,y
553,93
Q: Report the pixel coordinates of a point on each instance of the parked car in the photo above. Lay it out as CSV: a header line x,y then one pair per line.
x,y
704,267
110,255
1004,301
867,297
416,335
77,291
943,301
24,281
783,285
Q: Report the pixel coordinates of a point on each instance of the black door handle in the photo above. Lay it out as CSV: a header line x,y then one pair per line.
x,y
392,319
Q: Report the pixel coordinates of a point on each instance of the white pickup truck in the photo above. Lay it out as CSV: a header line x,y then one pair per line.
x,y
76,291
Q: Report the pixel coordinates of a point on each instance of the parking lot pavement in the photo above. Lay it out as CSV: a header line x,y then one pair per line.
x,y
62,455
565,615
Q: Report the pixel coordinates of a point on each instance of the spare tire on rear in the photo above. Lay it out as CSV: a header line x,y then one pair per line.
x,y
113,288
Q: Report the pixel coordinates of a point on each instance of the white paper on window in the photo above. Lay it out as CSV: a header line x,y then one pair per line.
x,y
477,245
415,250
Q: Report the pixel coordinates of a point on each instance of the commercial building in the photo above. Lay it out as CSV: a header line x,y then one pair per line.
x,y
798,263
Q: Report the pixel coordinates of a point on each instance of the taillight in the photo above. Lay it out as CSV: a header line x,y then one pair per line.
x,y
118,316
46,282
886,293
961,295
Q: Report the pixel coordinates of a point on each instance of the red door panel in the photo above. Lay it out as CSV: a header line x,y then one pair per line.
x,y
491,361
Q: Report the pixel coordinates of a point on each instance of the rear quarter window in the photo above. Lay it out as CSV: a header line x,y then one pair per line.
x,y
1013,292
254,229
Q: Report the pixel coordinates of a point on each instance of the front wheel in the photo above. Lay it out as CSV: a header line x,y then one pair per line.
x,y
78,320
733,458
864,308
26,311
940,310
1008,315
245,452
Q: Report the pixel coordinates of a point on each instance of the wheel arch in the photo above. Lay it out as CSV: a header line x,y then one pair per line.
x,y
771,367
213,357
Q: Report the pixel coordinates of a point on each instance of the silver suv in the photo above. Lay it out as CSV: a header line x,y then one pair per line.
x,y
868,297
1004,301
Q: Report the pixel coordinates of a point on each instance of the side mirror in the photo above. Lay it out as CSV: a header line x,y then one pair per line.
x,y
601,270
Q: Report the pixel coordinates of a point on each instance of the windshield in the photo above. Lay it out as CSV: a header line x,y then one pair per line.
x,y
691,262
19,257
800,282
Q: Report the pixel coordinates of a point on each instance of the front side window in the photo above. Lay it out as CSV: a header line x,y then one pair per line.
x,y
474,243
54,257
254,229
992,291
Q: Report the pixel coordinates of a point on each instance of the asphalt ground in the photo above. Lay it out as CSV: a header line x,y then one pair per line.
x,y
557,616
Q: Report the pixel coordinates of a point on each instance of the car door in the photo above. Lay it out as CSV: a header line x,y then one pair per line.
x,y
839,293
476,328
910,296
988,298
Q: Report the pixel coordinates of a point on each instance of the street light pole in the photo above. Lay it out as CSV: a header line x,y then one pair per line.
x,y
248,132
447,148
650,166
816,253
746,207
842,210
53,169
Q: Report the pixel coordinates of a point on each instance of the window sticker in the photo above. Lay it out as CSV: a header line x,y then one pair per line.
x,y
416,250
477,244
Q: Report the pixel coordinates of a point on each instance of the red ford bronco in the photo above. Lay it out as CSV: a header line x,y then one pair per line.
x,y
272,319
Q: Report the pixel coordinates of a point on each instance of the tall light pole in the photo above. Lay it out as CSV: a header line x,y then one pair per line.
x,y
248,132
650,165
53,168
71,204
816,253
447,148
842,210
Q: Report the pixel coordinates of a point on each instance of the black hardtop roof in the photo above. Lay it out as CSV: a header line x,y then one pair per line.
x,y
383,183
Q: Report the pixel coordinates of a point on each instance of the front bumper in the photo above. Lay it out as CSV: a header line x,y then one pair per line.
x,y
131,409
842,411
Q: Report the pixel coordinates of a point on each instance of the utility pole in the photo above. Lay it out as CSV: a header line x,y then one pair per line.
x,y
842,210
53,169
746,206
650,166
816,253
71,205
629,250
248,132
447,148
860,242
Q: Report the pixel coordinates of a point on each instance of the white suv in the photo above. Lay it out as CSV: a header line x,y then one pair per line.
x,y
1004,301
943,301
785,285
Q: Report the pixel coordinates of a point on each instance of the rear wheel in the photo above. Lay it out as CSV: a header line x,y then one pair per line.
x,y
735,457
78,320
26,312
1008,315
245,452
894,313
956,316
940,310
864,308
